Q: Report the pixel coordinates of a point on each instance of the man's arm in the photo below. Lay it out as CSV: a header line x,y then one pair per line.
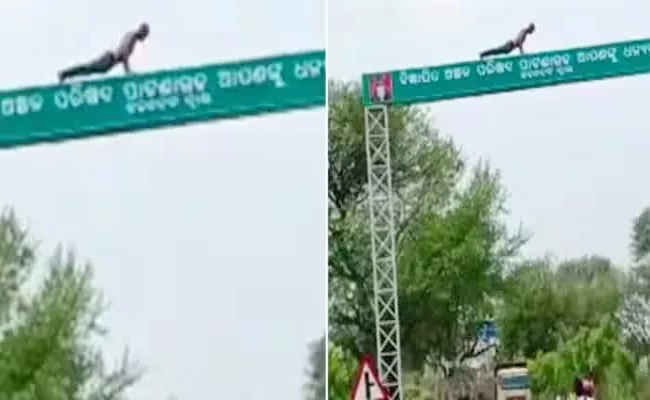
x,y
520,40
125,49
127,67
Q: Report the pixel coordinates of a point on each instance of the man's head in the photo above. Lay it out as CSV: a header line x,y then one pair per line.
x,y
585,386
143,31
530,28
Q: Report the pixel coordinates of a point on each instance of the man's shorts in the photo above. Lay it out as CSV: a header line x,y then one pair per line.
x,y
104,62
509,46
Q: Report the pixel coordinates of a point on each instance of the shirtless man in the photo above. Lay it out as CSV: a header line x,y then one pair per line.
x,y
109,59
510,45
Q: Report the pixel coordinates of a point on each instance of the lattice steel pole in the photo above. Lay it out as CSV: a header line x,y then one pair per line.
x,y
382,230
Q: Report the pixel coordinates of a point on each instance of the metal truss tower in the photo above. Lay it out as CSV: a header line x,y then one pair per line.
x,y
382,229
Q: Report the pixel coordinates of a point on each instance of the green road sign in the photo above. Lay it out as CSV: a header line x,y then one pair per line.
x,y
164,98
429,84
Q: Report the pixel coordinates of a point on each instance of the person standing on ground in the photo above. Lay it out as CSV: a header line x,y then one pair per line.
x,y
110,58
510,45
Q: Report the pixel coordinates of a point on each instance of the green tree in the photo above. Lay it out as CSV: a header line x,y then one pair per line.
x,y
544,304
341,368
529,310
640,243
49,327
597,350
452,241
316,372
635,314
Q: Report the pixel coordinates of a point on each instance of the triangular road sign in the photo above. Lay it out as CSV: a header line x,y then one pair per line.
x,y
368,386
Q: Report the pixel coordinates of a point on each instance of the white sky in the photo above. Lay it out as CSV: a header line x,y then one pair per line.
x,y
209,241
574,158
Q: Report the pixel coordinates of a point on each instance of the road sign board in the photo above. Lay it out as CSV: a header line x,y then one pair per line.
x,y
475,78
163,98
367,385
488,332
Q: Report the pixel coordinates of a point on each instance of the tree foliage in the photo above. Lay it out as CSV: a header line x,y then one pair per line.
x,y
635,313
640,242
544,303
316,373
597,350
340,373
49,327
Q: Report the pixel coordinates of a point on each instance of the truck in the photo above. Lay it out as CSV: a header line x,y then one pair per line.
x,y
512,382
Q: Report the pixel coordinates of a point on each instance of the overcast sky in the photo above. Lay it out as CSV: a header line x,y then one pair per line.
x,y
574,158
209,241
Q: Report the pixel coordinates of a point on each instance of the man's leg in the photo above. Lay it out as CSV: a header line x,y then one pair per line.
x,y
100,65
504,49
71,72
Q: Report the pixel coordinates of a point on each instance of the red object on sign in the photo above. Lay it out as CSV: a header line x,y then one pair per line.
x,y
367,385
381,88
